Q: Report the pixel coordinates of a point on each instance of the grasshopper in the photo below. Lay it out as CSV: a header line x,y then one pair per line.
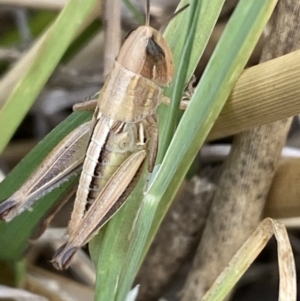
x,y
114,146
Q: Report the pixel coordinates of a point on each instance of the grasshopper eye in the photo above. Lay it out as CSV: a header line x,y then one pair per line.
x,y
154,51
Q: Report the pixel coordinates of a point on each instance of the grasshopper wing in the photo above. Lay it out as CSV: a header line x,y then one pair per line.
x,y
103,208
64,161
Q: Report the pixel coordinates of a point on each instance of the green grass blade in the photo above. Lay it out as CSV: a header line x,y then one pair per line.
x,y
176,37
223,70
14,235
110,246
54,45
179,81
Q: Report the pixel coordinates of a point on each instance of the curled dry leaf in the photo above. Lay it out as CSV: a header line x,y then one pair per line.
x,y
246,255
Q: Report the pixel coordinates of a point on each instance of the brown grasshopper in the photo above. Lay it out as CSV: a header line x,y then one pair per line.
x,y
122,135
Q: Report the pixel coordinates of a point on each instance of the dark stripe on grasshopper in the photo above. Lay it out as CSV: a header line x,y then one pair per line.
x,y
95,172
122,198
116,128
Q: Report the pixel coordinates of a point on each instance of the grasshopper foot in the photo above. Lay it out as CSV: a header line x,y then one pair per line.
x,y
63,256
6,207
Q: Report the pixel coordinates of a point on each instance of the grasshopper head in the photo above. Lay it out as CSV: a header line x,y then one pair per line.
x,y
147,53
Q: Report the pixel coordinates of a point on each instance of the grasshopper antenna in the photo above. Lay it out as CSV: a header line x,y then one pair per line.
x,y
172,17
147,12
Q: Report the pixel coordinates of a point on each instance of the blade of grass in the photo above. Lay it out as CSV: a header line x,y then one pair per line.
x,y
223,70
221,74
53,47
179,82
109,247
205,23
243,258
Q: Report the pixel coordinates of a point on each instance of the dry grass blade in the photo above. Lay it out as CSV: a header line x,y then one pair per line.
x,y
283,195
36,4
246,255
112,33
287,270
291,222
272,95
7,293
55,287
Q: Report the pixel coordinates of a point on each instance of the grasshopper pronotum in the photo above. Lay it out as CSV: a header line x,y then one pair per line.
x,y
113,147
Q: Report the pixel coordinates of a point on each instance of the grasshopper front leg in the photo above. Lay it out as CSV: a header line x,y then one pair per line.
x,y
105,205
